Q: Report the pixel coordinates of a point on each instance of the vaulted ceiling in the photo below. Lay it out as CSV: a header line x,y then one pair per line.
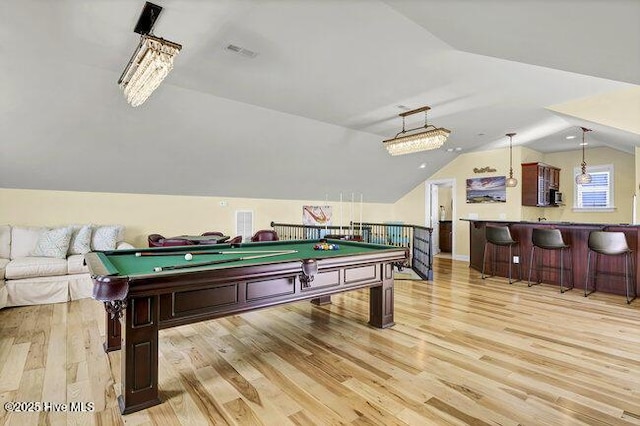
x,y
305,118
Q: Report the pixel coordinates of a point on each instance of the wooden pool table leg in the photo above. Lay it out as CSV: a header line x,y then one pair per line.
x,y
140,355
381,300
112,339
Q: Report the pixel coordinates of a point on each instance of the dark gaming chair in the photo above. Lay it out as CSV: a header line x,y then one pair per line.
x,y
265,235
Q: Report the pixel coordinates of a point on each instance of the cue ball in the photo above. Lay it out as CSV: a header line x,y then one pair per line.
x,y
188,256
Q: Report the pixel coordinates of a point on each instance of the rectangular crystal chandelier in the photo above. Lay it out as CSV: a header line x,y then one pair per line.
x,y
149,65
430,138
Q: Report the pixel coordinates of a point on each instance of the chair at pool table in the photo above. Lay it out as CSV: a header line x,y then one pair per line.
x,y
265,235
155,240
235,240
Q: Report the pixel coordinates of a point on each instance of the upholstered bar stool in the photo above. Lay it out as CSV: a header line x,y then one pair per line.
x,y
500,236
611,244
548,239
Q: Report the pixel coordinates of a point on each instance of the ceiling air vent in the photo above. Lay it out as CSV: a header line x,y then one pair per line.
x,y
241,51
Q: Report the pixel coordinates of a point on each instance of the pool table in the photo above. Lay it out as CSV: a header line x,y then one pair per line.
x,y
146,290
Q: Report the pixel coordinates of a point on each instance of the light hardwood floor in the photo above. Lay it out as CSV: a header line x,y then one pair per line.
x,y
463,351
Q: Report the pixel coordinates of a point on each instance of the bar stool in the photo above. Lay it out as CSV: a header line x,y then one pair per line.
x,y
500,236
610,244
549,239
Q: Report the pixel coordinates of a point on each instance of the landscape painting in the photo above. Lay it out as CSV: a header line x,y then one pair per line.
x,y
487,190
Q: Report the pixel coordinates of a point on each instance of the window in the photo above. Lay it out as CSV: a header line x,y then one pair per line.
x,y
598,194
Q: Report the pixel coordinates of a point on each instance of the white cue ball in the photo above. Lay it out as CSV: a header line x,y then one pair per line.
x,y
188,256
138,254
157,269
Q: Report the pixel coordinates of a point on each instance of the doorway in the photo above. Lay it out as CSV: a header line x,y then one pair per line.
x,y
440,208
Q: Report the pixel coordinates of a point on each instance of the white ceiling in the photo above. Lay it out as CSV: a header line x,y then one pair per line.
x,y
305,118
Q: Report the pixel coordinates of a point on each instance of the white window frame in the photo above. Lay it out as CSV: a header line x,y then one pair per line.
x,y
595,169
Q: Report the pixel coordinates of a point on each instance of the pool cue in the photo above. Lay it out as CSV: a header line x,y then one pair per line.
x,y
213,262
326,205
351,217
361,217
163,253
341,218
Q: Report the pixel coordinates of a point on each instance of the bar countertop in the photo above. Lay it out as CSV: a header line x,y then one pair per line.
x,y
551,222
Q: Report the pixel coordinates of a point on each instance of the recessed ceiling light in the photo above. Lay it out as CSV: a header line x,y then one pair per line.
x,y
423,165
449,149
583,144
570,137
458,149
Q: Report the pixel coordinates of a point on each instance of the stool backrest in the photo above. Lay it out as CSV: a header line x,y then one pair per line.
x,y
499,235
605,242
547,238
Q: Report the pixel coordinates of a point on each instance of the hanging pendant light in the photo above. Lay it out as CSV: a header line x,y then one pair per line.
x,y
429,137
584,177
511,182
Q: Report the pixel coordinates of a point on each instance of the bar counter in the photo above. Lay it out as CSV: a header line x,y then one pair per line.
x,y
576,235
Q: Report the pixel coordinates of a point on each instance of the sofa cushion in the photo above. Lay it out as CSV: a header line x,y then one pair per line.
x,y
106,237
53,243
5,241
3,265
24,240
80,240
75,264
28,267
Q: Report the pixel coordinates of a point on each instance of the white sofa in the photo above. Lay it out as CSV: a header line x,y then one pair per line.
x,y
36,268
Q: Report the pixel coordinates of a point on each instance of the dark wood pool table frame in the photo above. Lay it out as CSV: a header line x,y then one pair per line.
x,y
138,307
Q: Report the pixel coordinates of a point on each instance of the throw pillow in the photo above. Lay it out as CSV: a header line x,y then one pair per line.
x,y
53,243
105,237
5,241
80,240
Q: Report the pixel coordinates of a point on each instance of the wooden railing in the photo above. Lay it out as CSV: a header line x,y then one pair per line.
x,y
416,238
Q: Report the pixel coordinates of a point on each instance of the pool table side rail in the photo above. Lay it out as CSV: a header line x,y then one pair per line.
x,y
109,286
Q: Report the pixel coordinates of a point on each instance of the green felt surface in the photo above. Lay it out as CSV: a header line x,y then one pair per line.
x,y
127,263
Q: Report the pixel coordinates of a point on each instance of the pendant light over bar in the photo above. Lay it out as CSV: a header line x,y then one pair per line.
x,y
151,62
511,181
584,177
429,138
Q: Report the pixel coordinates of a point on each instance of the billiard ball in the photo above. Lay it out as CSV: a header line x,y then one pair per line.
x,y
188,256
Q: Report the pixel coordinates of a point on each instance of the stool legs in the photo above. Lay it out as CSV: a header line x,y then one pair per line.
x,y
586,280
539,267
531,267
562,288
628,280
494,261
484,259
629,268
